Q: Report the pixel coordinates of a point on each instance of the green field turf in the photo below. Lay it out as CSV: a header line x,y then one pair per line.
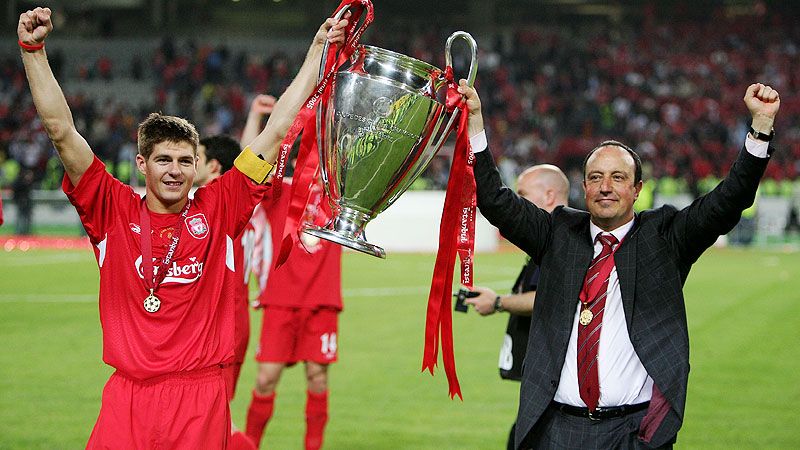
x,y
743,309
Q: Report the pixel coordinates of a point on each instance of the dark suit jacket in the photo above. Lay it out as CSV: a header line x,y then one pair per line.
x,y
652,265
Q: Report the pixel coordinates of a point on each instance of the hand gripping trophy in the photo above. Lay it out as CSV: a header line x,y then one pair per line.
x,y
386,119
379,119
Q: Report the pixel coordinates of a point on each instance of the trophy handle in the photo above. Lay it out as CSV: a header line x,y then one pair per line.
x,y
339,14
473,47
473,71
325,46
318,114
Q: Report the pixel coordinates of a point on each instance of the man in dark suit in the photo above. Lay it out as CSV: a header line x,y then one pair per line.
x,y
608,356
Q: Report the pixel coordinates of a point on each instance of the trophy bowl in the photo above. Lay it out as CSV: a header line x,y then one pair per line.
x,y
385,121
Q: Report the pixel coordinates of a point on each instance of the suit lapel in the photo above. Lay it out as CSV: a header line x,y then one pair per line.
x,y
580,256
625,260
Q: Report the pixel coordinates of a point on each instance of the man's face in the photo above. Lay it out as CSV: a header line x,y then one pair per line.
x,y
169,172
610,188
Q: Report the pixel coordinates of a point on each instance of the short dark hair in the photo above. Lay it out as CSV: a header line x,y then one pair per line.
x,y
637,175
223,148
158,128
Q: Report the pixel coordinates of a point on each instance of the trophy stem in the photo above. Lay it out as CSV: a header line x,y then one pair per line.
x,y
348,230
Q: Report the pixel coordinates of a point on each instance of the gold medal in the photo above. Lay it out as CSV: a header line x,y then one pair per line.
x,y
586,317
152,303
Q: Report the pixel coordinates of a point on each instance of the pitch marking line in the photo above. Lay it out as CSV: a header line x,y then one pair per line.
x,y
346,293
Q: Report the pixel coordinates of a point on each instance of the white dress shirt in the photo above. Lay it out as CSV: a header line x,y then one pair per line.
x,y
623,379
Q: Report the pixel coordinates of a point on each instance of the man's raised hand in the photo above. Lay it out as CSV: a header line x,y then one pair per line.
x,y
763,103
332,30
34,26
475,121
262,104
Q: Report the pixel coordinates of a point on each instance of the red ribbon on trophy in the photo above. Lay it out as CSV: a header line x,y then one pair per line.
x,y
456,236
307,166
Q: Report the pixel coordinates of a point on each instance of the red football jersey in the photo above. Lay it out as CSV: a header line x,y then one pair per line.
x,y
243,252
262,248
194,327
312,276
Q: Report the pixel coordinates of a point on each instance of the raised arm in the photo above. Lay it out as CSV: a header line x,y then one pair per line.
x,y
518,220
261,106
34,26
267,143
696,227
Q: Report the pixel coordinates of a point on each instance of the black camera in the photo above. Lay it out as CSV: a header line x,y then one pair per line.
x,y
462,295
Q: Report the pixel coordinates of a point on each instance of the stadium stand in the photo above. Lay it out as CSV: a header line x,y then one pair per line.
x,y
670,89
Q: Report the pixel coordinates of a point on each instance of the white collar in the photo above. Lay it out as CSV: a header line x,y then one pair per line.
x,y
618,233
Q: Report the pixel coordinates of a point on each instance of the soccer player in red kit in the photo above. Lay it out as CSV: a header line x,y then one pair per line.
x,y
166,261
301,302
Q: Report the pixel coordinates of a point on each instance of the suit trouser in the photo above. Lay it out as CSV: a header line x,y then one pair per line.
x,y
558,430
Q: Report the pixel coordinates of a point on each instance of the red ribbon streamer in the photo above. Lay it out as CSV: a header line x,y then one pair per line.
x,y
307,159
456,235
306,171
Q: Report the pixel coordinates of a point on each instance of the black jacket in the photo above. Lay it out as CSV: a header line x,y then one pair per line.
x,y
652,265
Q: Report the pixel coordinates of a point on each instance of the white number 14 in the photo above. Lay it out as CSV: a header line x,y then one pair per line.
x,y
328,343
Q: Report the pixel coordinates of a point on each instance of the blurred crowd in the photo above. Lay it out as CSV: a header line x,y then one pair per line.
x,y
672,91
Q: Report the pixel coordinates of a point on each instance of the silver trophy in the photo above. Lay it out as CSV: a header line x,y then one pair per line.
x,y
382,126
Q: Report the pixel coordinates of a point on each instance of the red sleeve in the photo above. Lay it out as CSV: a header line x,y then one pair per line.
x,y
237,196
96,197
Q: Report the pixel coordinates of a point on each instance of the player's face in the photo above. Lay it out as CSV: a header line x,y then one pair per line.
x,y
610,188
169,173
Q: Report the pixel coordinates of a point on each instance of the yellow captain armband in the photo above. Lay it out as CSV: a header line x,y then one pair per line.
x,y
251,165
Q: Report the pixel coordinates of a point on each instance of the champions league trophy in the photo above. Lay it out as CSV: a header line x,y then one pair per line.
x,y
384,123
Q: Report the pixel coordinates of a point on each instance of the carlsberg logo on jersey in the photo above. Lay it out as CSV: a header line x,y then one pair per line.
x,y
176,273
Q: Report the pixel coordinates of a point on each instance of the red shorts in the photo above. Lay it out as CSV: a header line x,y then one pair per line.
x,y
289,335
182,410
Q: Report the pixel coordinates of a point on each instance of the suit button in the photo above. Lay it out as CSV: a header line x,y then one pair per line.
x,y
554,383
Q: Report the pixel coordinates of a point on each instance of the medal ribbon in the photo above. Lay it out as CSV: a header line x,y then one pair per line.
x,y
308,156
152,281
606,267
456,235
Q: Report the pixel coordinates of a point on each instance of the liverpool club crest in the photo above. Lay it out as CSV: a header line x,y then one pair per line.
x,y
197,226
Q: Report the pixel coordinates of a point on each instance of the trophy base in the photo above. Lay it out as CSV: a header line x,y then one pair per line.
x,y
356,244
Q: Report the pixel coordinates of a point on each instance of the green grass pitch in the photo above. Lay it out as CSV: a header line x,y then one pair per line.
x,y
743,308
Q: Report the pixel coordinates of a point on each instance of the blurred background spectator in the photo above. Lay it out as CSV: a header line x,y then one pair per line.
x,y
555,79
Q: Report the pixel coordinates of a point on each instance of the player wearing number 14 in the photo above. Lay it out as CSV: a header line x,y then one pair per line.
x,y
301,302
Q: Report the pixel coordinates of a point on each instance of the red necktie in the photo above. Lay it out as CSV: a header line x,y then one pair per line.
x,y
593,298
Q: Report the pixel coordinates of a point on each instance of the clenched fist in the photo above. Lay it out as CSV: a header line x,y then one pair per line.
x,y
763,103
34,26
